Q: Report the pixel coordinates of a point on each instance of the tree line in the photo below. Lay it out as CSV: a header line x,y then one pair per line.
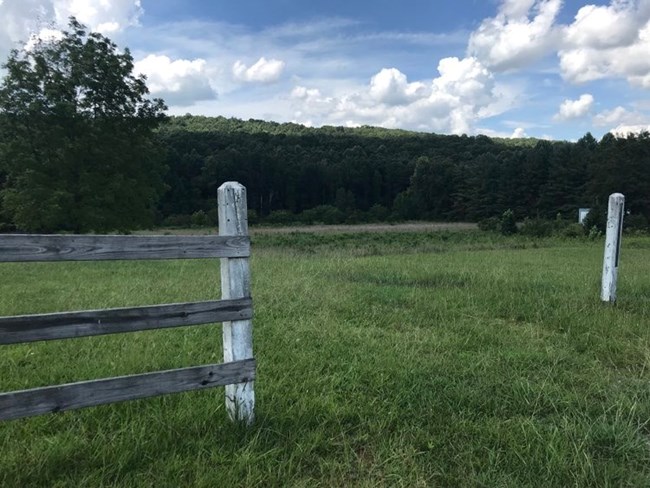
x,y
368,172
84,149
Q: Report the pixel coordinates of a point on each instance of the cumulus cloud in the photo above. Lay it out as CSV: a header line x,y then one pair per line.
x,y
304,93
518,133
574,109
602,41
521,32
105,16
311,103
626,130
609,41
263,71
19,21
178,82
22,20
622,121
619,116
390,86
451,102
603,26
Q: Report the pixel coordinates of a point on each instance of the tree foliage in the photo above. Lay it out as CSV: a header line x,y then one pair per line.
x,y
77,148
288,167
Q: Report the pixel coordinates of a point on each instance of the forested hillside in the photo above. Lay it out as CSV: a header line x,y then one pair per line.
x,y
371,173
336,174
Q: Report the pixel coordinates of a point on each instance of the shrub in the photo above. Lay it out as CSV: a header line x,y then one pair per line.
x,y
281,217
213,216
378,213
326,214
537,227
594,233
559,224
572,230
354,217
253,217
489,224
507,223
635,222
177,220
597,217
199,219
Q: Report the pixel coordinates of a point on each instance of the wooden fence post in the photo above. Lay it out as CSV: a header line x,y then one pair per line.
x,y
236,283
612,247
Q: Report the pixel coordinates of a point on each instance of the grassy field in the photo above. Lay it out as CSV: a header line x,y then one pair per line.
x,y
429,359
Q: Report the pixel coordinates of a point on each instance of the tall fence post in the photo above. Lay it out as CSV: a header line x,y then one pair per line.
x,y
612,247
236,283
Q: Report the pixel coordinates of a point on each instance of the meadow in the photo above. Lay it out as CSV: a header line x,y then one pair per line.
x,y
448,358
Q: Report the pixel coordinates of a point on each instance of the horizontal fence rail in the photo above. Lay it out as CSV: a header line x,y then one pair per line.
x,y
18,247
66,325
234,310
37,401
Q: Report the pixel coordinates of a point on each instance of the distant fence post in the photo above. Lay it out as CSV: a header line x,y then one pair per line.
x,y
236,283
612,247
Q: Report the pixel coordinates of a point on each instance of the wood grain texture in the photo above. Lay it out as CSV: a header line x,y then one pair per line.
x,y
37,247
65,325
236,284
37,401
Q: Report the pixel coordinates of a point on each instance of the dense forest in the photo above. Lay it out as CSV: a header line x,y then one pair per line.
x,y
334,174
348,175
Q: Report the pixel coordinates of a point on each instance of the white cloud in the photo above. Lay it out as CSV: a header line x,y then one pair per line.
x,y
44,35
574,109
518,133
263,71
625,130
19,20
391,87
178,82
23,19
619,116
602,41
105,16
306,93
451,102
610,41
603,26
512,39
310,103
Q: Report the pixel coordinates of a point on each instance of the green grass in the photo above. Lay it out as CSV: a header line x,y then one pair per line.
x,y
446,359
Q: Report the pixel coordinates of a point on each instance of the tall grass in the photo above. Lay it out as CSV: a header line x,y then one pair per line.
x,y
382,361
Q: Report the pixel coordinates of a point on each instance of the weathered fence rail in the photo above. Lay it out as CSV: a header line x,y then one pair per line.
x,y
234,310
34,247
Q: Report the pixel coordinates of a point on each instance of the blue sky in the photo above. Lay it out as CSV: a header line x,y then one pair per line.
x,y
539,68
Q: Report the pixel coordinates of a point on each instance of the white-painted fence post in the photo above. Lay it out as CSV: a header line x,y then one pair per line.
x,y
236,283
612,246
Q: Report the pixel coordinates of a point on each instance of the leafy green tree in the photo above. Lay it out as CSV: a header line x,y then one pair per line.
x,y
79,152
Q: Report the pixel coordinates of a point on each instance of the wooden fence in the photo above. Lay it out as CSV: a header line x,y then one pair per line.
x,y
237,372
